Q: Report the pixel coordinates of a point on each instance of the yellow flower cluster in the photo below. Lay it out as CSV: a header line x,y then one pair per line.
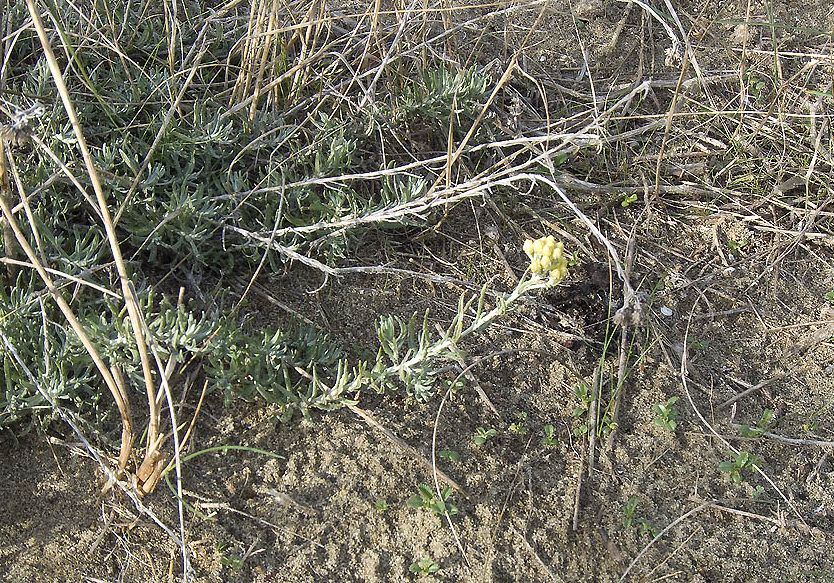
x,y
547,258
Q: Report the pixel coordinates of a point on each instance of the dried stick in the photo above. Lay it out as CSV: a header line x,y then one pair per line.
x,y
116,390
593,417
127,287
750,390
623,355
9,244
577,496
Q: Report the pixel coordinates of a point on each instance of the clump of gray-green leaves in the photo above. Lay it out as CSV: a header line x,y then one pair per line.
x,y
223,192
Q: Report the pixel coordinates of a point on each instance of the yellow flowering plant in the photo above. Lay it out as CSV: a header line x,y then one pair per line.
x,y
547,258
413,353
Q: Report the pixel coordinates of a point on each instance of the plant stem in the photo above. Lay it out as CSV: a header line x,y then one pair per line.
x,y
127,288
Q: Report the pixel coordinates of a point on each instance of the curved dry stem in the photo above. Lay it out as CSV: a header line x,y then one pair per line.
x,y
127,287
115,389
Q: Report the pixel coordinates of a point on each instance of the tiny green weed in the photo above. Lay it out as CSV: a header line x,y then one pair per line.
x,y
583,394
607,425
736,246
428,499
381,505
735,467
666,414
628,199
449,455
549,438
644,527
810,426
483,435
519,426
233,562
424,567
760,426
628,511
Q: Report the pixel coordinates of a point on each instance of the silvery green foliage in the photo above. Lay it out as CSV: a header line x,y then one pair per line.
x,y
43,355
281,367
40,354
441,93
212,174
414,356
408,349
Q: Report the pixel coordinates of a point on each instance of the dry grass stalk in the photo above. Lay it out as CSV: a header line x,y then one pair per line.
x,y
9,244
153,438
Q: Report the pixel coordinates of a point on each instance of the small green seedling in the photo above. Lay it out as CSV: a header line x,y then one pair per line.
x,y
810,426
549,438
573,259
734,468
643,526
761,425
427,498
829,297
628,511
757,86
583,394
607,425
628,199
381,505
736,246
519,426
233,562
646,528
666,414
449,455
697,345
424,567
482,435
455,386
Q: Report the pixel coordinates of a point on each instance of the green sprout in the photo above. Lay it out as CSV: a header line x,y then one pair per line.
x,y
607,425
810,426
424,567
449,455
643,526
233,562
381,506
483,435
519,427
583,393
628,511
761,425
549,438
734,468
735,246
628,199
428,499
666,414
646,528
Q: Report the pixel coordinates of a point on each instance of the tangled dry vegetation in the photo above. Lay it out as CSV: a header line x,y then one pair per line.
x,y
283,300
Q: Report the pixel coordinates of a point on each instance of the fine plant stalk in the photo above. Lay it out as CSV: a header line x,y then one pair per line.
x,y
6,193
449,342
127,288
115,387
